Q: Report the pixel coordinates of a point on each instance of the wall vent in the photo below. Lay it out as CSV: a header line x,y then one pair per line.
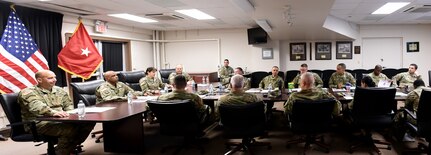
x,y
164,16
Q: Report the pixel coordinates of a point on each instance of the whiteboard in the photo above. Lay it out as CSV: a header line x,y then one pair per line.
x,y
384,51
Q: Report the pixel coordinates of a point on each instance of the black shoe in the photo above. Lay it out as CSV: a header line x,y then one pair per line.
x,y
2,138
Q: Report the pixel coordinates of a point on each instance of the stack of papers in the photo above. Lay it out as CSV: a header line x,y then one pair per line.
x,y
338,90
91,109
253,90
146,98
400,94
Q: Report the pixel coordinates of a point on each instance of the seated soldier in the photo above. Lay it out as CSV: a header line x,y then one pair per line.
x,y
318,83
274,81
406,79
112,89
340,78
150,84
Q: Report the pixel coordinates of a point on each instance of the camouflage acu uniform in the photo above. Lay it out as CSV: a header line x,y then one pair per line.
x,y
343,78
247,84
37,102
411,103
149,85
274,81
225,74
317,80
378,78
310,94
405,79
108,92
238,98
173,75
202,109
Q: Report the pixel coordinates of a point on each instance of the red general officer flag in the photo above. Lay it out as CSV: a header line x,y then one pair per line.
x,y
80,56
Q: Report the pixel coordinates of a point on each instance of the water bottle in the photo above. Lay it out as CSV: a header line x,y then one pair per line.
x,y
129,97
269,89
203,80
348,88
194,86
81,109
211,89
207,80
166,88
220,87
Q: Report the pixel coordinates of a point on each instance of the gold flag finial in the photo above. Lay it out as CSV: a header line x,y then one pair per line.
x,y
12,7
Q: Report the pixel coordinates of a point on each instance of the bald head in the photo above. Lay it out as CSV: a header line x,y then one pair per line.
x,y
237,82
179,69
46,79
111,77
377,69
307,80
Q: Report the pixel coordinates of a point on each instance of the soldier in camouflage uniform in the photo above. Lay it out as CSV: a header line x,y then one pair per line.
x,y
179,93
225,73
274,80
247,83
150,84
309,92
318,83
179,71
377,74
406,79
112,89
340,78
46,99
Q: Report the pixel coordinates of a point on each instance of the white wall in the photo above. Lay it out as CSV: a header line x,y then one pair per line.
x,y
233,46
141,51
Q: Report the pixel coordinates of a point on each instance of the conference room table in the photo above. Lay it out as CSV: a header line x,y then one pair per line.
x,y
123,128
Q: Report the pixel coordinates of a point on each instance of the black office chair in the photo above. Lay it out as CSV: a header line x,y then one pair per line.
x,y
326,76
131,79
290,75
318,72
178,118
164,74
390,72
256,77
86,91
359,74
429,78
243,121
311,118
12,109
423,119
373,109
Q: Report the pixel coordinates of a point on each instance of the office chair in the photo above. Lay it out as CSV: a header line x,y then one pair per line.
x,y
290,75
311,118
423,118
243,121
326,76
12,109
256,77
131,79
178,118
164,74
85,91
359,74
318,72
373,108
390,72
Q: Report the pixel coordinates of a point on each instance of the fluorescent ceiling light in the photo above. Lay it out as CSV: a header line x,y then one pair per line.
x,y
195,13
390,7
264,25
133,18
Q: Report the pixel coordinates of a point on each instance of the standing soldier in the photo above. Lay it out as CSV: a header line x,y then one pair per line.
x,y
112,89
340,78
225,73
46,99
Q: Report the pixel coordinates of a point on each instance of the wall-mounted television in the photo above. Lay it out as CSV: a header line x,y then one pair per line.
x,y
257,36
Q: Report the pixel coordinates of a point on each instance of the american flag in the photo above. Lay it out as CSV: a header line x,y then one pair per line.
x,y
20,57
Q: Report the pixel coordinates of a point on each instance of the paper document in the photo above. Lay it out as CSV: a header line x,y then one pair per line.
x,y
264,91
338,90
384,83
296,89
91,109
146,98
401,94
348,97
253,90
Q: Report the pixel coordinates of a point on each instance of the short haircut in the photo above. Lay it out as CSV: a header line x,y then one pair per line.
x,y
414,65
237,81
240,69
368,81
378,67
275,67
226,60
150,69
307,79
304,65
418,83
342,65
180,81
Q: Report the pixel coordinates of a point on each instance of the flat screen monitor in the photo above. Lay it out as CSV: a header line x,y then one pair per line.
x,y
257,36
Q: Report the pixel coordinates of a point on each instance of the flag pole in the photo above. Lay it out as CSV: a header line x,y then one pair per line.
x,y
12,7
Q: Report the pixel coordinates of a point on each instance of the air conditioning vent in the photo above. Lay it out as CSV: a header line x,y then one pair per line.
x,y
419,9
164,16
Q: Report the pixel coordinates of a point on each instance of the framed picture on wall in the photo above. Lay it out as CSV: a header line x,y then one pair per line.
x,y
412,46
323,50
344,50
267,53
298,51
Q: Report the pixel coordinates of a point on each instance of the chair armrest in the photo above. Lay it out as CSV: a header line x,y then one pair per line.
x,y
410,113
33,129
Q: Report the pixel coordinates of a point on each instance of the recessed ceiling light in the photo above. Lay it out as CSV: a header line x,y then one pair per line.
x,y
133,18
195,13
390,7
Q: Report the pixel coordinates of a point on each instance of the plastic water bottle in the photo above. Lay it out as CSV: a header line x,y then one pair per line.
x,y
203,80
348,88
211,89
129,97
166,89
207,80
81,109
